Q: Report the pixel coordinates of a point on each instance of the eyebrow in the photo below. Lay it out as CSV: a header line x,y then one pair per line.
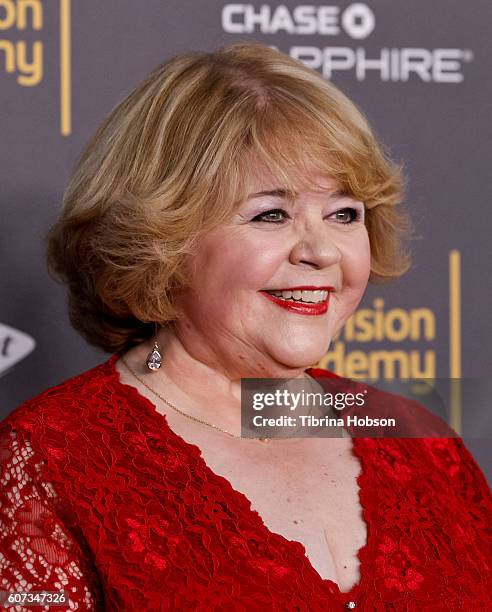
x,y
284,193
274,193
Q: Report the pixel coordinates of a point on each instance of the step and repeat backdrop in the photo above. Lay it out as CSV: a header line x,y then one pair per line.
x,y
419,71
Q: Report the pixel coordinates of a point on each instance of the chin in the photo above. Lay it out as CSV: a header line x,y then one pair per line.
x,y
303,355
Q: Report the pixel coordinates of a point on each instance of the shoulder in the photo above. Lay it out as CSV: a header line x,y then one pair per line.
x,y
412,419
62,406
456,463
70,432
423,441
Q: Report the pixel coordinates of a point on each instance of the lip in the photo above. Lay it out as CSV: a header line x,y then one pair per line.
x,y
304,288
304,308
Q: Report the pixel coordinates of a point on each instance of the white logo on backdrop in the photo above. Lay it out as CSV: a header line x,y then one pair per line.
x,y
357,21
15,345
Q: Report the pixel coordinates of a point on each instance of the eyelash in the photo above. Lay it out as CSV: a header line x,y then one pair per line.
x,y
355,212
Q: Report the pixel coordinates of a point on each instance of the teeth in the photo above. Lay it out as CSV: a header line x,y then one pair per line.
x,y
312,297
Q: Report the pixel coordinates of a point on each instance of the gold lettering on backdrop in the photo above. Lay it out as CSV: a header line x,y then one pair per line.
x,y
395,325
22,57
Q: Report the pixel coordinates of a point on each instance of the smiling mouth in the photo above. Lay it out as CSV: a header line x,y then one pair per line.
x,y
306,300
311,295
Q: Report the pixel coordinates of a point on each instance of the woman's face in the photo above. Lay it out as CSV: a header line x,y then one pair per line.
x,y
318,240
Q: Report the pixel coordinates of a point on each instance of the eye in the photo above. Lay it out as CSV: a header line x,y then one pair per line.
x,y
348,215
271,216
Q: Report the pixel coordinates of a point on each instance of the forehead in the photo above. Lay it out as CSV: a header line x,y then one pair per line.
x,y
262,179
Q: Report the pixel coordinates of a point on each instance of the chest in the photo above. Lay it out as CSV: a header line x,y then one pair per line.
x,y
165,534
306,492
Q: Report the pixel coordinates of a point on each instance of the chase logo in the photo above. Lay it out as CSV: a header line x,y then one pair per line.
x,y
15,345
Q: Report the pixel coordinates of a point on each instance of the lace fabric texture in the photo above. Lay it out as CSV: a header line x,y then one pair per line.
x,y
99,498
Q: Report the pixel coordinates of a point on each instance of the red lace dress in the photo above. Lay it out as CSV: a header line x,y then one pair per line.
x,y
100,498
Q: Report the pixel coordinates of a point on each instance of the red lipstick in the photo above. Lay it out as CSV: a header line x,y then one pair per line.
x,y
304,308
304,288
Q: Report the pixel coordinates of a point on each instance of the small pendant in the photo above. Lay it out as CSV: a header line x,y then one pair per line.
x,y
154,358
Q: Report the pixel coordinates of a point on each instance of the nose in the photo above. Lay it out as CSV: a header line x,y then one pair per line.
x,y
314,247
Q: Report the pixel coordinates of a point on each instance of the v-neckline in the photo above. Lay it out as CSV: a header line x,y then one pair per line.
x,y
343,596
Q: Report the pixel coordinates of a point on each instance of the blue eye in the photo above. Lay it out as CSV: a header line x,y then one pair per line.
x,y
266,216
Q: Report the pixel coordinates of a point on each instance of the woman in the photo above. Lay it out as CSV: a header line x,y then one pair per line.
x,y
223,224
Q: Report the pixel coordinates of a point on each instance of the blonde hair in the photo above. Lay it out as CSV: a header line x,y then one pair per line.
x,y
173,160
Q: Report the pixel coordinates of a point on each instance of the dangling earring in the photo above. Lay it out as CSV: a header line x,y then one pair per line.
x,y
154,358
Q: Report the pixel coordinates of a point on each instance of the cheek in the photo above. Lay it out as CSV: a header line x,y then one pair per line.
x,y
355,270
356,262
237,261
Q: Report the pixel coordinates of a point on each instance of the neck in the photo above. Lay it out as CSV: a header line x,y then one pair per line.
x,y
200,382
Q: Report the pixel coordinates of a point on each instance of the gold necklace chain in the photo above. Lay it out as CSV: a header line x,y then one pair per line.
x,y
175,408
